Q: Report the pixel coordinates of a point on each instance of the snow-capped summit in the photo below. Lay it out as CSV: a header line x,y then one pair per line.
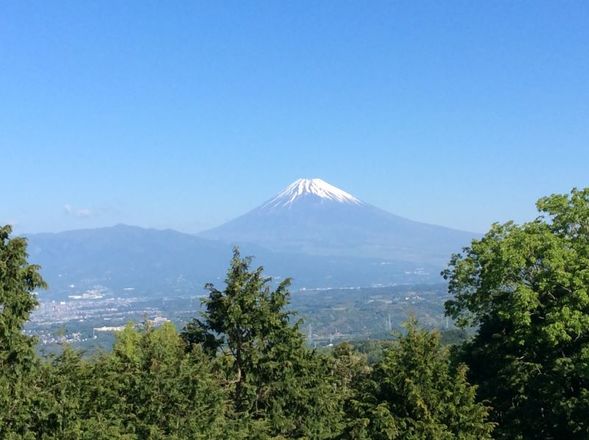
x,y
310,187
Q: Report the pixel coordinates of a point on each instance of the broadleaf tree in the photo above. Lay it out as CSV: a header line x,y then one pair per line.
x,y
525,289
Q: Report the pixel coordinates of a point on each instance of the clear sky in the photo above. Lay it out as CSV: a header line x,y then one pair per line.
x,y
185,114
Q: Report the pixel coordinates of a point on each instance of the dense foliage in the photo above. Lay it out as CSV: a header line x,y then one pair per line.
x,y
272,378
414,393
242,368
526,289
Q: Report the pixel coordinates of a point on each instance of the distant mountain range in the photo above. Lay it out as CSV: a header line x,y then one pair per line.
x,y
167,263
312,231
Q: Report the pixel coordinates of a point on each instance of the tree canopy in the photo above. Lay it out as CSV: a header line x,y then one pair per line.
x,y
526,290
415,392
18,281
274,378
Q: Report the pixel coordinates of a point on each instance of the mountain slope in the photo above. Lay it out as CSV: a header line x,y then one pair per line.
x,y
314,217
127,256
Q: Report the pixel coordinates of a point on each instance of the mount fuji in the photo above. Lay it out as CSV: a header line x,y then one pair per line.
x,y
313,217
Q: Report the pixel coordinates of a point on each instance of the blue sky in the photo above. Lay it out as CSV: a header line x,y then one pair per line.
x,y
187,114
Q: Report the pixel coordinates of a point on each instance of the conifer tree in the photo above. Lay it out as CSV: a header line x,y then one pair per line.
x,y
157,389
415,393
274,378
18,280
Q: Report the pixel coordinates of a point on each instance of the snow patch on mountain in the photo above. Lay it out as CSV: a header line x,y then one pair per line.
x,y
315,187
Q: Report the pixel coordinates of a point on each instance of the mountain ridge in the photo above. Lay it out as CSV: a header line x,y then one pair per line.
x,y
168,262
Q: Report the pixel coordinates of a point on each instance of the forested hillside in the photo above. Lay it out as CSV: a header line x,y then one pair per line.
x,y
242,368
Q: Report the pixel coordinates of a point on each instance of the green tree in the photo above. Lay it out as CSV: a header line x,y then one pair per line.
x,y
18,361
155,389
18,280
415,393
525,288
275,380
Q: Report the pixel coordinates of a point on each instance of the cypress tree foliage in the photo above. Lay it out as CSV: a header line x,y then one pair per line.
x,y
148,387
526,289
18,280
415,393
353,371
169,393
62,404
274,379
